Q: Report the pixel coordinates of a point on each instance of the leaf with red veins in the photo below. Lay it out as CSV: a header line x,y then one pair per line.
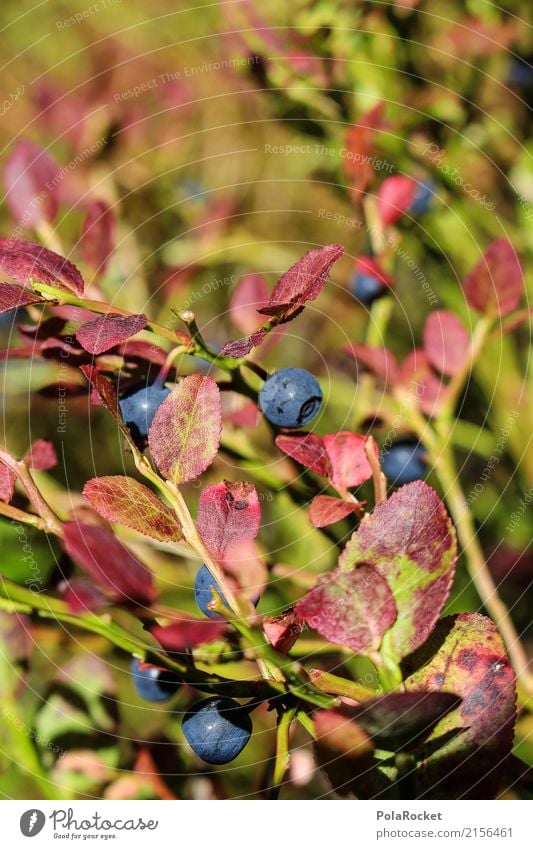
x,y
241,347
326,510
378,361
349,463
308,449
250,295
107,561
12,297
228,513
82,596
188,632
130,503
7,483
351,608
302,282
411,542
283,631
394,197
446,342
28,171
496,283
41,455
98,235
185,433
104,332
466,752
25,261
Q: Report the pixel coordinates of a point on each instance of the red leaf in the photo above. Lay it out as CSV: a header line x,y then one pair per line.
x,y
282,631
41,455
185,433
308,449
107,394
395,196
97,235
359,145
466,655
12,296
250,295
353,609
29,176
348,458
427,389
104,332
410,541
99,553
23,260
496,283
326,510
446,342
303,281
82,596
228,513
243,562
368,265
126,501
242,347
7,484
188,633
378,361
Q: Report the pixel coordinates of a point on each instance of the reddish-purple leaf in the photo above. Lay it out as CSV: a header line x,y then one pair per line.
x,y
496,283
23,261
104,332
395,196
228,513
353,609
282,631
428,390
359,145
466,752
7,483
81,596
446,342
250,295
105,391
349,463
41,455
308,449
108,562
242,347
128,502
326,510
378,361
12,297
185,433
188,632
30,184
369,265
303,281
97,235
410,541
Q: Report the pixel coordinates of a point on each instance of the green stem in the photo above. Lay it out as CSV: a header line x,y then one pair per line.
x,y
282,759
337,686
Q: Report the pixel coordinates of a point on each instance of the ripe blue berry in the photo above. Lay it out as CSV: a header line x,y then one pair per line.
x,y
152,683
204,584
290,398
217,729
404,462
367,288
422,199
139,407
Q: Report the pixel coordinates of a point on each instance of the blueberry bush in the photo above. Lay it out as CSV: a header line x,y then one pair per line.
x,y
264,470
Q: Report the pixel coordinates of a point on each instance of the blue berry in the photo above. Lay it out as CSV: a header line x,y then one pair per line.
x,y
152,683
422,199
204,584
139,407
367,288
217,729
404,462
290,398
